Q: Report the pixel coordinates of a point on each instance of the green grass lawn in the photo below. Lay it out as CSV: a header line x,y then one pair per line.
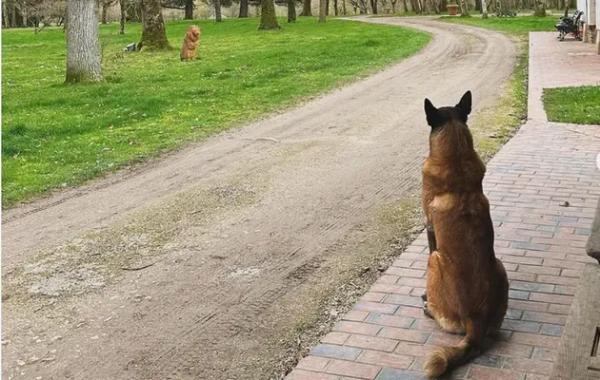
x,y
56,135
580,105
518,26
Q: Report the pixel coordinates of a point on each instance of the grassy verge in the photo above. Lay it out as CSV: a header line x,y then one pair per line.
x,y
494,126
57,135
517,26
580,105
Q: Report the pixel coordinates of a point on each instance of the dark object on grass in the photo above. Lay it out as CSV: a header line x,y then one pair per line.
x,y
570,25
131,47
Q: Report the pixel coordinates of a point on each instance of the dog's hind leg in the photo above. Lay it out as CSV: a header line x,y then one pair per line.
x,y
431,241
425,309
432,247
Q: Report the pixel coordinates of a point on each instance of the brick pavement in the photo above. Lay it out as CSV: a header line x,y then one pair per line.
x,y
541,243
558,64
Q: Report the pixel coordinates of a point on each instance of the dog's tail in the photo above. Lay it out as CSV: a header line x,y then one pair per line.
x,y
443,358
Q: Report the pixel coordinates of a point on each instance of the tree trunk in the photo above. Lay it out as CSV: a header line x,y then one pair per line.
x,y
25,13
464,8
335,7
17,17
327,8
154,35
322,10
189,10
267,15
405,6
306,8
5,20
218,16
291,10
83,47
362,7
344,7
104,10
374,6
123,17
243,8
416,6
484,11
10,15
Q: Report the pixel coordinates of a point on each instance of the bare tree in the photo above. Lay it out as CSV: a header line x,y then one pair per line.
x,y
267,15
218,16
243,8
306,8
189,10
105,4
322,10
5,20
83,46
291,4
362,6
484,11
464,7
154,35
374,6
123,17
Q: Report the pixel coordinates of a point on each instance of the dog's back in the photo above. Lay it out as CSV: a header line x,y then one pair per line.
x,y
467,288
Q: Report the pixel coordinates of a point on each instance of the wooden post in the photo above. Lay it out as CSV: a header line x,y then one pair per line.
x,y
586,37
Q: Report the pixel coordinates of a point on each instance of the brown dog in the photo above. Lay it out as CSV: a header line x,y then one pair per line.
x,y
467,287
190,43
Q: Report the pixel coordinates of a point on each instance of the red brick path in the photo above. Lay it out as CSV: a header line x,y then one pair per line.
x,y
558,64
541,243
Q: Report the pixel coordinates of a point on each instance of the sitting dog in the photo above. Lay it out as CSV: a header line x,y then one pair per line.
x,y
190,44
467,287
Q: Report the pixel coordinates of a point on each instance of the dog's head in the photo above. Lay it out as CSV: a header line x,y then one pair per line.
x,y
193,32
449,129
438,117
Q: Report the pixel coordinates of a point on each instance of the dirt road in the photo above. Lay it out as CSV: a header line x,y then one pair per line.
x,y
194,267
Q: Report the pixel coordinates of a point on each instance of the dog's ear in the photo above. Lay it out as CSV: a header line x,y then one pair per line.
x,y
465,104
434,118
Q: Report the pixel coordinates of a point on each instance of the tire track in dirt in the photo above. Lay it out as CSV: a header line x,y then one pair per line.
x,y
209,306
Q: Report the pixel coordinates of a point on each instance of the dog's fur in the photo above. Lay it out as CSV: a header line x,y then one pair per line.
x,y
467,287
190,43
